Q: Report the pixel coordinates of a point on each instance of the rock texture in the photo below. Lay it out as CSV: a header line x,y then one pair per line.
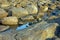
x,y
10,21
19,12
3,28
39,31
3,13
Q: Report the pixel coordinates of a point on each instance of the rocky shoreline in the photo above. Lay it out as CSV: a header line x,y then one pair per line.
x,y
42,15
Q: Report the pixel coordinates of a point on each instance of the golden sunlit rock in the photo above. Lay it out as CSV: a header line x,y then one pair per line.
x,y
10,21
32,9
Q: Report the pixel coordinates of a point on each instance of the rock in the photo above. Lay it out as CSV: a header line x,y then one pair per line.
x,y
40,15
4,4
32,9
39,31
43,8
53,6
22,4
19,12
52,17
40,2
49,32
28,18
7,36
3,28
10,21
3,14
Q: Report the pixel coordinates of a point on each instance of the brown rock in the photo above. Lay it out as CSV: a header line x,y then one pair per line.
x,y
43,8
19,12
4,4
3,28
32,9
39,31
49,32
10,21
3,13
53,6
53,17
28,18
40,15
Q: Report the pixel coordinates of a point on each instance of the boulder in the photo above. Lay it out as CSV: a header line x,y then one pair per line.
x,y
32,9
10,21
28,18
19,12
39,31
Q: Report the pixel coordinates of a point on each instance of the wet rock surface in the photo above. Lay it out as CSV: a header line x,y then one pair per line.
x,y
39,31
29,19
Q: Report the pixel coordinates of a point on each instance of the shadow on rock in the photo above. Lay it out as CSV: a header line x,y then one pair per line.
x,y
57,32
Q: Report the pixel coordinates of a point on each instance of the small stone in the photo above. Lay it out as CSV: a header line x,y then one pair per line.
x,y
10,21
40,15
4,4
3,28
28,18
3,13
43,8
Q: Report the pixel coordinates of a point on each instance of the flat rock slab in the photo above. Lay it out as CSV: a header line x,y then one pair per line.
x,y
34,32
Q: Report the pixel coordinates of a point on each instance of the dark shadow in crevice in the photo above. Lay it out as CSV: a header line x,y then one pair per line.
x,y
51,38
57,32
